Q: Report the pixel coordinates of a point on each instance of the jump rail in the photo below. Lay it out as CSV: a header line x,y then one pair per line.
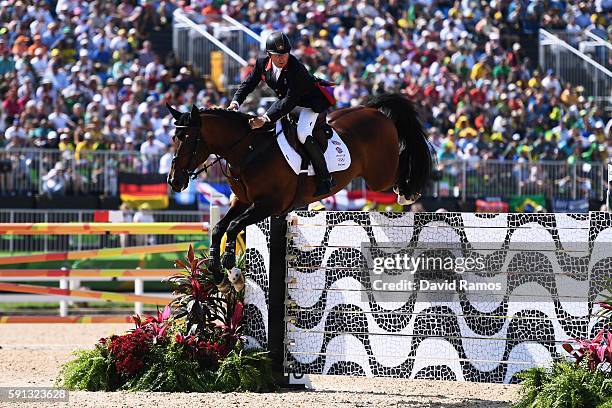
x,y
69,278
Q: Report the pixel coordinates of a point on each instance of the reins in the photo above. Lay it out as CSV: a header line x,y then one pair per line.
x,y
204,169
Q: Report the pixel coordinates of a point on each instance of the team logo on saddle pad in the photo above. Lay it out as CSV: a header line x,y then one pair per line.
x,y
339,150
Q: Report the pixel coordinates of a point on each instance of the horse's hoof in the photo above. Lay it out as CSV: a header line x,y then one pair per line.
x,y
236,277
229,260
225,285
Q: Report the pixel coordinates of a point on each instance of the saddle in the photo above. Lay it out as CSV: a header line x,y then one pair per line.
x,y
321,133
263,137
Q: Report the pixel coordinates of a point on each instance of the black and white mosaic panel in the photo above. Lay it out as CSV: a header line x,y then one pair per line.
x,y
551,268
257,286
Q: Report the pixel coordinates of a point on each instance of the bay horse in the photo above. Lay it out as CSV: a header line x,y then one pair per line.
x,y
385,138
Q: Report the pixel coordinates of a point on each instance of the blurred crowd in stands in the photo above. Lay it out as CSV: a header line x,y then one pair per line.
x,y
481,97
78,76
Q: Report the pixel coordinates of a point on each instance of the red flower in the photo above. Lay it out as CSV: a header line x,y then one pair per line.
x,y
129,351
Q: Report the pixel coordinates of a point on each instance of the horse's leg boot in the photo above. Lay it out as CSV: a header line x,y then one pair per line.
x,y
325,182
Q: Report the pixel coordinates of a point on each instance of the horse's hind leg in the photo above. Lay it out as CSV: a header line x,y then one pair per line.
x,y
258,211
214,265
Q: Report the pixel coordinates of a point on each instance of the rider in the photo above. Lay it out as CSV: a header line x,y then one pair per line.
x,y
295,87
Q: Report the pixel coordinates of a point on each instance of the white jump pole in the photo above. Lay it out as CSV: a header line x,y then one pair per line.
x,y
138,290
608,204
215,216
63,310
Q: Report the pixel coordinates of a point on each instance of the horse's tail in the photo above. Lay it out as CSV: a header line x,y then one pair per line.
x,y
416,161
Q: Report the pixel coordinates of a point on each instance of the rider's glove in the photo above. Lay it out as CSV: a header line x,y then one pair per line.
x,y
233,106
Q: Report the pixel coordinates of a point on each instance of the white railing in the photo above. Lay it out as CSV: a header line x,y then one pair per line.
x,y
197,40
499,178
23,171
576,67
96,172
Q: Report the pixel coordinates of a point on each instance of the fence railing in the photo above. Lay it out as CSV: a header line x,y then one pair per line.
x,y
588,43
209,43
26,171
576,67
497,178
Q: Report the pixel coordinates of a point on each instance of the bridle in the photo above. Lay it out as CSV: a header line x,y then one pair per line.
x,y
198,139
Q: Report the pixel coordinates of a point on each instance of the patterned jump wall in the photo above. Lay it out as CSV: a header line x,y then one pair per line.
x,y
326,317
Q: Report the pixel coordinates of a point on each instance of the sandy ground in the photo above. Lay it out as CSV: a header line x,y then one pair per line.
x,y
29,356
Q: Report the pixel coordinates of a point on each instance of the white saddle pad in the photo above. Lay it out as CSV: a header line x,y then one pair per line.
x,y
337,155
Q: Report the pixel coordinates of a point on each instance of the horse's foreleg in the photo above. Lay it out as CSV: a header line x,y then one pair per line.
x,y
214,265
258,211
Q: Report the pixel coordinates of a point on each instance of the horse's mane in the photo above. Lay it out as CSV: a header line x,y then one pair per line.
x,y
236,115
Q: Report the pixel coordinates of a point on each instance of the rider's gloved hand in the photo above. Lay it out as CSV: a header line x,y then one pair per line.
x,y
233,106
257,122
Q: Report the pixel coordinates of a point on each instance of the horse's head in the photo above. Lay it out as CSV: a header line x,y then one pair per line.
x,y
191,149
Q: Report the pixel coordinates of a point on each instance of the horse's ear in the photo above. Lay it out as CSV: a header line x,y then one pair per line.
x,y
195,117
175,114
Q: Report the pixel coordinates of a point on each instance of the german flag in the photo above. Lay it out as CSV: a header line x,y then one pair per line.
x,y
137,189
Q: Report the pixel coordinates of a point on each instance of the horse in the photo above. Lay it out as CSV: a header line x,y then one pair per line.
x,y
386,140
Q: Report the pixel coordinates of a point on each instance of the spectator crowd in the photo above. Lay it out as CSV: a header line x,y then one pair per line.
x,y
83,75
480,95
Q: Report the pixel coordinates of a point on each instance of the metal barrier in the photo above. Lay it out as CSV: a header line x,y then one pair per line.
x,y
576,67
498,178
587,43
96,172
90,172
197,39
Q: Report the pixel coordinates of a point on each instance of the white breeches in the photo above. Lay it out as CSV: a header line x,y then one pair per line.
x,y
306,123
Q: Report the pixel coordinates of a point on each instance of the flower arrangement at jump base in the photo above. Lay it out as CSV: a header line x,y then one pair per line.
x,y
584,383
194,345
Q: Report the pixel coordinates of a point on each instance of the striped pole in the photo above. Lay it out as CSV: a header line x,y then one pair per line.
x,y
95,253
68,319
92,294
101,228
85,273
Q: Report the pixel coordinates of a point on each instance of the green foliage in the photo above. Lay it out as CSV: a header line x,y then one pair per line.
x,y
565,385
169,370
246,370
196,297
91,370
177,350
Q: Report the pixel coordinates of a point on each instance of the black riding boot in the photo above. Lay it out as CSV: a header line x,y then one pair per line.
x,y
325,182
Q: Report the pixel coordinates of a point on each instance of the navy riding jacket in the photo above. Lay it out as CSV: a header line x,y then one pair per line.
x,y
294,87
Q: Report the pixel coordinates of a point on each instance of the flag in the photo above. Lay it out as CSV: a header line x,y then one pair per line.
x,y
138,189
345,200
213,193
187,196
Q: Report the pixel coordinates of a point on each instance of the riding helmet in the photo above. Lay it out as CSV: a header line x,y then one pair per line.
x,y
278,43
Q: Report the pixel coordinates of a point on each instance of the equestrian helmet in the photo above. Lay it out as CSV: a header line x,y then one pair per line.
x,y
278,43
